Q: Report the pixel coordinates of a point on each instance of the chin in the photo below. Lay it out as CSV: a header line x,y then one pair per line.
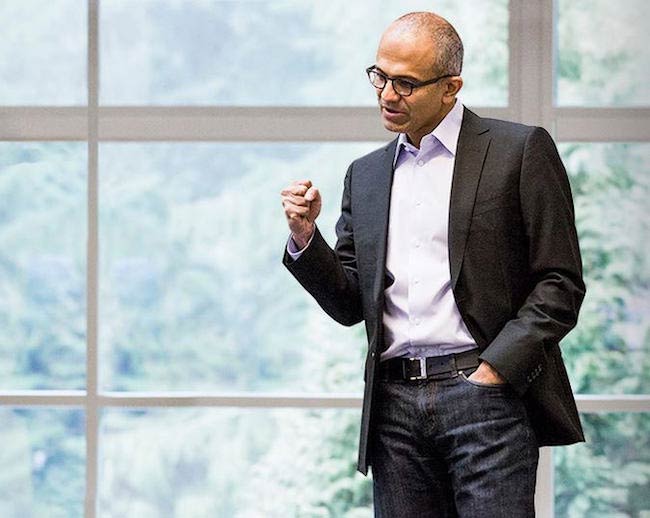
x,y
391,126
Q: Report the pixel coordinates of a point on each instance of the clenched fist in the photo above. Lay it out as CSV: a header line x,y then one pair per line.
x,y
302,204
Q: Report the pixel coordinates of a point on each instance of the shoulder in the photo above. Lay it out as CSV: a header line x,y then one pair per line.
x,y
500,128
508,128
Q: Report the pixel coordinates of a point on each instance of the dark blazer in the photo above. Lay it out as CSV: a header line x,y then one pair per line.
x,y
515,264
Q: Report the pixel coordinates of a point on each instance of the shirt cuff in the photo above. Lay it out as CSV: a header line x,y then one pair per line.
x,y
292,247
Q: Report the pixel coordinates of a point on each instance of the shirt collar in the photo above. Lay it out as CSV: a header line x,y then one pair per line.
x,y
447,133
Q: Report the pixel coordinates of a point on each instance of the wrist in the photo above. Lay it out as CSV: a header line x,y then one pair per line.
x,y
302,239
485,373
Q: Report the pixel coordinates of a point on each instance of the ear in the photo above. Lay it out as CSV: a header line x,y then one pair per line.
x,y
452,87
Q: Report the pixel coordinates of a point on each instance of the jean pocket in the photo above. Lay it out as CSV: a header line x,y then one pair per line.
x,y
486,386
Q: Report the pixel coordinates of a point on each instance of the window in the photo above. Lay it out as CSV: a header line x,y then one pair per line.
x,y
157,359
231,462
280,53
189,278
608,475
609,351
43,272
41,63
603,58
43,465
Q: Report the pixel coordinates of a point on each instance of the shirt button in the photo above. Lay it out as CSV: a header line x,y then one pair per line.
x,y
417,244
416,281
416,321
420,162
418,203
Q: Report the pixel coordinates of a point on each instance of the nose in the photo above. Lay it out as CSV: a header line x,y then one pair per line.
x,y
389,94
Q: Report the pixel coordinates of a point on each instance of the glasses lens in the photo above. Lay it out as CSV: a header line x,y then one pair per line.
x,y
377,80
402,87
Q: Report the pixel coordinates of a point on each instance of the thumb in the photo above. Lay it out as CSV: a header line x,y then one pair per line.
x,y
312,194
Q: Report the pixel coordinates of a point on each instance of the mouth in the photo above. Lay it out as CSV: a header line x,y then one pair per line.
x,y
392,114
390,110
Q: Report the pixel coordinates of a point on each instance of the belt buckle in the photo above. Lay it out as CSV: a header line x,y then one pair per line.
x,y
423,369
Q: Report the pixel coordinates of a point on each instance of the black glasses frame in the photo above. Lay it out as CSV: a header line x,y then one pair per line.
x,y
402,87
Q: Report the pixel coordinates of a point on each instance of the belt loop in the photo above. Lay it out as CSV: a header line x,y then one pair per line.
x,y
454,366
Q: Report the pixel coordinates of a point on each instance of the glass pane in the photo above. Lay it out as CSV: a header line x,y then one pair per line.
x,y
193,294
42,461
192,463
284,52
603,55
43,52
609,475
609,351
42,265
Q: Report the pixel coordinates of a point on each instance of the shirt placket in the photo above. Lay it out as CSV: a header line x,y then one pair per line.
x,y
417,253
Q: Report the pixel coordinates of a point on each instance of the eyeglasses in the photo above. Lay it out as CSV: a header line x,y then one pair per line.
x,y
402,87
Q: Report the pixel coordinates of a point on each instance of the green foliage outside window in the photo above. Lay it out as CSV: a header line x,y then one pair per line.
x,y
609,351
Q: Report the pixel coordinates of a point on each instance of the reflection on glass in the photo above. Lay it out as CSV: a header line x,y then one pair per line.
x,y
42,265
191,463
609,351
42,461
609,475
43,49
603,54
193,294
286,52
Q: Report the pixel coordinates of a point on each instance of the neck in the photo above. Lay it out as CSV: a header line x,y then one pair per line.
x,y
416,138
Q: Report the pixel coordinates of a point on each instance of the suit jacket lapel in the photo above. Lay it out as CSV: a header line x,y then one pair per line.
x,y
378,195
473,143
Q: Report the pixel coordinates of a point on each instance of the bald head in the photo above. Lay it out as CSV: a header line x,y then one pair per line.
x,y
446,45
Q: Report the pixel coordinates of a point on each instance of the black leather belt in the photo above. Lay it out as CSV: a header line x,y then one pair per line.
x,y
433,367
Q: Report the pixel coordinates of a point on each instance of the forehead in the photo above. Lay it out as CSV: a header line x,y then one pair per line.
x,y
405,54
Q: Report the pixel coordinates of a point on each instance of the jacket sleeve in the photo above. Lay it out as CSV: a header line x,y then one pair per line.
x,y
331,276
550,311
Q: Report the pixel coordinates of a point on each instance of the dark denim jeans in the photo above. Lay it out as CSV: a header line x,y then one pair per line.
x,y
452,448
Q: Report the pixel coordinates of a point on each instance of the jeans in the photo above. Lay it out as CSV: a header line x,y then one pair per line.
x,y
452,448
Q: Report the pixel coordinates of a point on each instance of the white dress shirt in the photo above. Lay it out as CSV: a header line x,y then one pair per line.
x,y
421,317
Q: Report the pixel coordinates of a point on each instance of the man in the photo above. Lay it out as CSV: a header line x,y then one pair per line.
x,y
457,247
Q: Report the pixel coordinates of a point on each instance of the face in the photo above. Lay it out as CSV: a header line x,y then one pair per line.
x,y
411,57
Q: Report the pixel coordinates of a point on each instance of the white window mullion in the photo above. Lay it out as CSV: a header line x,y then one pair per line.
x,y
531,99
545,490
603,124
531,62
204,124
92,367
587,403
43,123
515,57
